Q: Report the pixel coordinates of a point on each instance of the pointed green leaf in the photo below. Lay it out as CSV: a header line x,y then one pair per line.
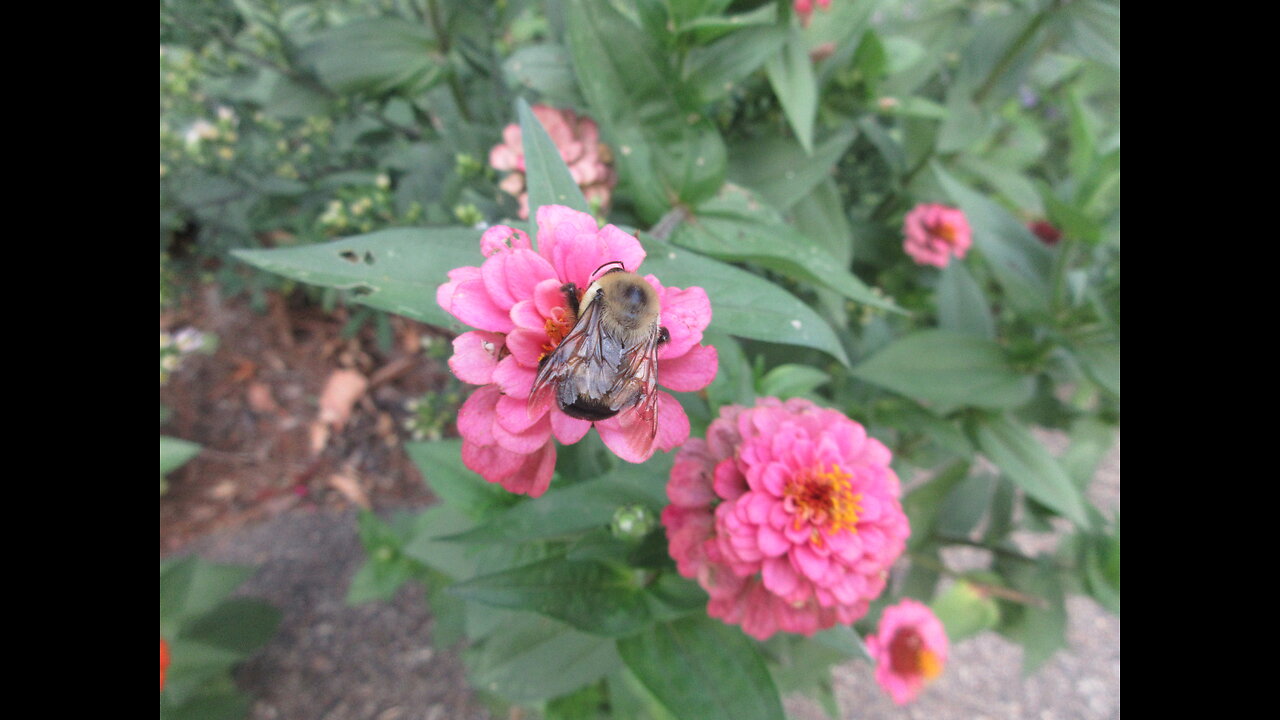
x,y
1030,466
781,170
944,367
790,73
701,668
546,175
395,270
667,154
743,304
174,453
376,56
1020,262
962,307
737,226
459,487
530,658
588,594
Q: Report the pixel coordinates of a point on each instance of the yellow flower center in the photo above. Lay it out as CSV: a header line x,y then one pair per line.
x,y
557,327
824,500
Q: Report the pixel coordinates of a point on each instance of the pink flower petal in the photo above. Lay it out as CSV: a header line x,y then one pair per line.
x,y
512,377
475,355
568,430
690,372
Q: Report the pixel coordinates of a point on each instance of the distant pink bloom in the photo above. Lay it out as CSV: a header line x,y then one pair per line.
x,y
514,301
936,232
804,8
788,516
578,139
1043,229
910,649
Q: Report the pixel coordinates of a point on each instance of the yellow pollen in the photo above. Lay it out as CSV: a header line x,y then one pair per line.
x,y
824,500
557,328
930,668
947,232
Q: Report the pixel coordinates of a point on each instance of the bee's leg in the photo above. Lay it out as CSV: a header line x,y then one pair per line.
x,y
663,336
570,291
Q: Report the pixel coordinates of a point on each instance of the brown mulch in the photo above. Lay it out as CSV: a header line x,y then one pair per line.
x,y
254,407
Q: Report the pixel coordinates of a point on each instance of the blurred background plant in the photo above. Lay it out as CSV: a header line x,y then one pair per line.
x,y
744,140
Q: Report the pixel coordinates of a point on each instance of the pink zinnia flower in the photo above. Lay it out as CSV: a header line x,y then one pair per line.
x,y
514,301
578,139
787,515
936,232
910,649
804,8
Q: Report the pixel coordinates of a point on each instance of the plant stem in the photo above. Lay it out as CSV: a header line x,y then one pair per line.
x,y
442,41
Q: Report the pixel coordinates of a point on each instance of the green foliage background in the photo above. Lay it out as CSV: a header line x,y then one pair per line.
x,y
344,145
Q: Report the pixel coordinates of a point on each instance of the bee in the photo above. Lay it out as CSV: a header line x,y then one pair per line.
x,y
608,362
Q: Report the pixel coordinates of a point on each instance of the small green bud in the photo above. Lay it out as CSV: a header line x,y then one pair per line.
x,y
632,522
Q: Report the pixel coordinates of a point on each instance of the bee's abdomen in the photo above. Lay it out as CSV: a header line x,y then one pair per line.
x,y
588,409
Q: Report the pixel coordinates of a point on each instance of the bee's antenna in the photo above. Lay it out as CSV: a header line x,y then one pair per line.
x,y
611,262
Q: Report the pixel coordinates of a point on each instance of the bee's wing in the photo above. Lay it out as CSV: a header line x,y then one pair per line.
x,y
638,385
576,354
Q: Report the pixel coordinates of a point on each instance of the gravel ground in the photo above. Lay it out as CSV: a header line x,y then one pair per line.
x,y
375,662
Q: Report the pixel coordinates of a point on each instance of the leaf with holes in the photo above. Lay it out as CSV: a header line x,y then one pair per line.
x,y
395,270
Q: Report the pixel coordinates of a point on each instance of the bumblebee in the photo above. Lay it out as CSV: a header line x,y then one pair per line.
x,y
608,362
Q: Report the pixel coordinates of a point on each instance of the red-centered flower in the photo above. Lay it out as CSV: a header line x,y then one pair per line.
x,y
515,302
578,140
910,649
164,661
787,514
934,233
804,9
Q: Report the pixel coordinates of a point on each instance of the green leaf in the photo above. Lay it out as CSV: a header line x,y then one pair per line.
x,y
763,15
1101,362
547,70
174,453
962,307
546,175
734,383
530,658
923,504
667,155
1026,462
965,506
1017,258
587,594
451,559
192,587
736,226
781,170
714,71
1041,627
376,56
789,380
944,367
396,270
240,625
565,511
441,465
965,611
700,668
791,74
743,304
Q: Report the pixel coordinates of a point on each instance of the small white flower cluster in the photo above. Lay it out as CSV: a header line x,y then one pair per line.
x,y
175,346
